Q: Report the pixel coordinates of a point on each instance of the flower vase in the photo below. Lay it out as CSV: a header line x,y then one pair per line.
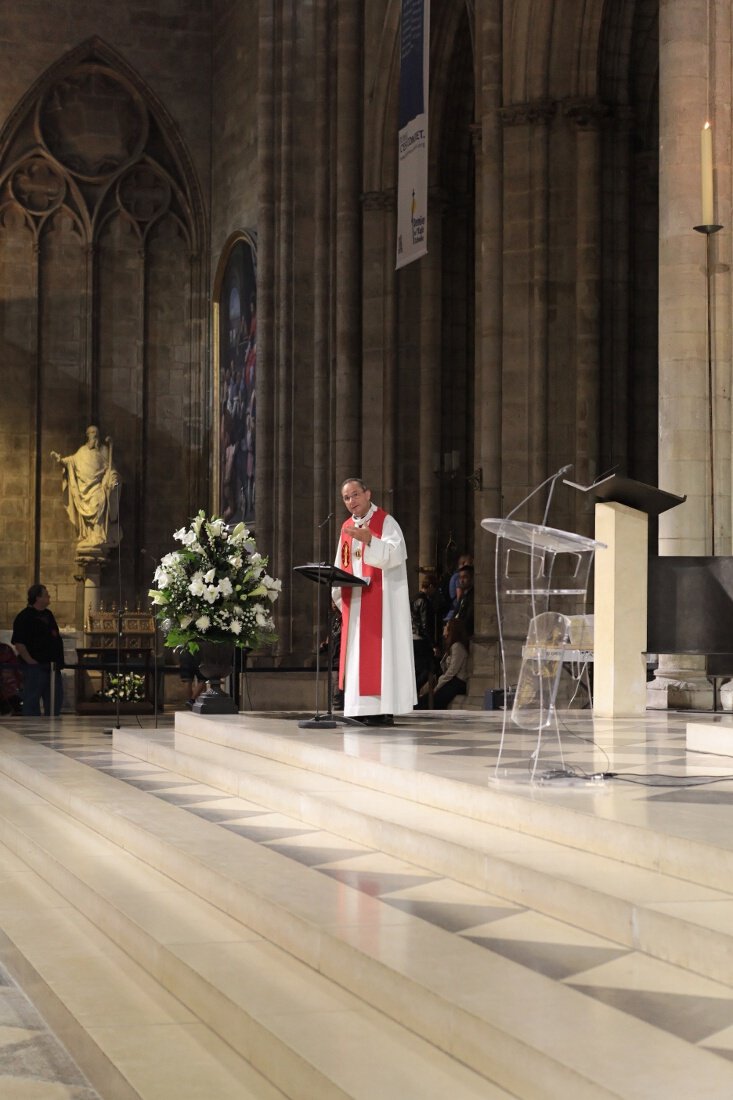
x,y
216,661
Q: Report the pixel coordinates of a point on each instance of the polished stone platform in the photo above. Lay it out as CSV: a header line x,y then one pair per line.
x,y
712,735
373,912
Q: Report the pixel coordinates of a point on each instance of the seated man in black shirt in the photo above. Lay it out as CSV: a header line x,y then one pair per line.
x,y
38,643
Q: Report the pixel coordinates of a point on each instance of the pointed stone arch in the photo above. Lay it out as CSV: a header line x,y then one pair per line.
x,y
551,50
93,169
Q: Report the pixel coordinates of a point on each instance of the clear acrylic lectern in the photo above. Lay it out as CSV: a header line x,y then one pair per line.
x,y
541,577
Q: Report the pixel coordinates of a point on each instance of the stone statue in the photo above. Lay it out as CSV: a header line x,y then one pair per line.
x,y
92,487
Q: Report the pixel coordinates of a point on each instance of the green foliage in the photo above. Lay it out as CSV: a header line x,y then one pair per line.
x,y
128,687
215,588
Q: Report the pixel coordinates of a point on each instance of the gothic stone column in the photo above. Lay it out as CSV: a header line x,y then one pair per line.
x,y
684,440
587,114
488,149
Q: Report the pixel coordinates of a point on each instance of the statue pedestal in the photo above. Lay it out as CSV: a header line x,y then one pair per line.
x,y
92,587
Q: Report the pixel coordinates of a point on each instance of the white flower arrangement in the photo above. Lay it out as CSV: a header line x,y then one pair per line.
x,y
128,687
215,588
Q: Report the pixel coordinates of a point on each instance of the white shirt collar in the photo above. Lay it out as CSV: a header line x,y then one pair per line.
x,y
365,519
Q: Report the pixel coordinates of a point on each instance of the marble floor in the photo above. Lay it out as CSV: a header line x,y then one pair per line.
x,y
636,772
33,1063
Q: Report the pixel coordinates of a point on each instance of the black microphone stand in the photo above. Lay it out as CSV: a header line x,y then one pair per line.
x,y
119,626
119,660
322,721
147,554
155,673
110,731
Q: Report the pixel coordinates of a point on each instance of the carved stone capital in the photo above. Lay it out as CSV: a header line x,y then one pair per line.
x,y
587,112
524,114
379,200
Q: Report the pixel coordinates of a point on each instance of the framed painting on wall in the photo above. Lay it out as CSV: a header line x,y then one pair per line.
x,y
235,375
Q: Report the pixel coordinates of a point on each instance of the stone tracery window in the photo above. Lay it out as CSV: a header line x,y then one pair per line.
x,y
101,296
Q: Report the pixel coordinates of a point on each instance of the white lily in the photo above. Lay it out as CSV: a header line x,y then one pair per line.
x,y
197,587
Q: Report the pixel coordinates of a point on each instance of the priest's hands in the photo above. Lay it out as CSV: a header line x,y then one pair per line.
x,y
361,534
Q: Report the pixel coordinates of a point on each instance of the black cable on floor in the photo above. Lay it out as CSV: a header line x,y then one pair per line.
x,y
658,779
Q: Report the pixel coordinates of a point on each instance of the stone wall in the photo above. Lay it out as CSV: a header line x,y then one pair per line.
x,y
234,176
102,314
483,364
168,42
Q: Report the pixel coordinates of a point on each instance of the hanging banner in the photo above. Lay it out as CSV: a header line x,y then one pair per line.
x,y
412,180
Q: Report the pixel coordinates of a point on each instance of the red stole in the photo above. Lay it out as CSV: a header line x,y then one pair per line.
x,y
370,617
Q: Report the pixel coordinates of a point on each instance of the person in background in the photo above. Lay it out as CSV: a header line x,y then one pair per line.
x,y
11,681
333,641
38,643
453,678
464,561
424,630
464,599
424,612
423,655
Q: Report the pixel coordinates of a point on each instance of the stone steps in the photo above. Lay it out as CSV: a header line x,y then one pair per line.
x,y
116,942
131,1038
479,1014
620,892
219,741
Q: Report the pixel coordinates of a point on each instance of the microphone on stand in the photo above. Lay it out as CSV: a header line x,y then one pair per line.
x,y
552,478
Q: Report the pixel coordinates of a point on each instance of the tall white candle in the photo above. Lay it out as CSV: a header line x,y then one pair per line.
x,y
706,164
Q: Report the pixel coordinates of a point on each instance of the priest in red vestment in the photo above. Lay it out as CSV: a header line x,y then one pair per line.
x,y
377,672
